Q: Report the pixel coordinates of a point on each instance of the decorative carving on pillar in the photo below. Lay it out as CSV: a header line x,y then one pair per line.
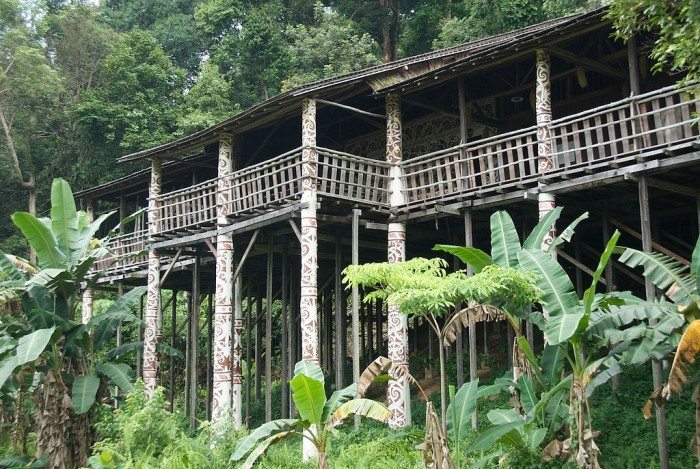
x,y
545,204
152,315
87,306
543,113
223,303
398,398
543,110
309,241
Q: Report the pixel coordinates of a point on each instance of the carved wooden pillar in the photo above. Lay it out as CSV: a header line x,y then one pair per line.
x,y
308,310
87,294
398,397
223,303
309,246
151,319
543,114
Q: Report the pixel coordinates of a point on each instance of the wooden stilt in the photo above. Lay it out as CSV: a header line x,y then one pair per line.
x,y
188,343
171,372
468,241
194,343
293,332
368,318
340,351
645,218
459,349
248,354
355,259
210,342
268,332
579,272
284,346
120,293
237,355
258,344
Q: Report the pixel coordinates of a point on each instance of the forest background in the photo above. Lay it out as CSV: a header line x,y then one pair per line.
x,y
83,83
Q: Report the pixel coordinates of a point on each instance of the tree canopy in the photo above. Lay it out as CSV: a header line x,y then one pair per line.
x,y
81,84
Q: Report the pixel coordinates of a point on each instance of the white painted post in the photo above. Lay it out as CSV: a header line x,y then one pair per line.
x,y
151,318
398,392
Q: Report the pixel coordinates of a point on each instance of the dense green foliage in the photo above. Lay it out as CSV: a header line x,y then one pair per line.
x,y
677,24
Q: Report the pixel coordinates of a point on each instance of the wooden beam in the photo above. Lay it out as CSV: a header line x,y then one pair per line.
x,y
295,229
588,63
672,187
242,226
578,264
268,332
653,244
210,245
245,254
350,108
165,275
355,260
647,244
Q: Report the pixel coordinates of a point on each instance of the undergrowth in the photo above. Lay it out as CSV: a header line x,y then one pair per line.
x,y
143,434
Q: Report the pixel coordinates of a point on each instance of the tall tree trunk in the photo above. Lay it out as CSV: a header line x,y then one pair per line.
x,y
390,28
54,423
14,159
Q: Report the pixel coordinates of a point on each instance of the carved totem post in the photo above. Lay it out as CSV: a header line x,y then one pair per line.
x,y
543,113
151,318
223,303
398,397
309,246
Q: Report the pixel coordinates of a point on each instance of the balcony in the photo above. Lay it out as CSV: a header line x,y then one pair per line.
x,y
617,134
650,126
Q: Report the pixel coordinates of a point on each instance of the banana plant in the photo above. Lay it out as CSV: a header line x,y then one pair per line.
x,y
579,327
505,249
677,330
318,416
47,338
544,413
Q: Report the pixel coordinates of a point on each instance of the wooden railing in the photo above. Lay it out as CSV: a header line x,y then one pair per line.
x,y
349,177
125,252
609,136
191,207
273,183
264,185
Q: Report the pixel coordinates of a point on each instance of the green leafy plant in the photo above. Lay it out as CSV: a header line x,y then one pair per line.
x,y
677,323
318,415
422,287
46,338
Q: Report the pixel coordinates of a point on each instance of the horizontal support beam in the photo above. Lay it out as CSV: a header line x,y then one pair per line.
x,y
588,63
350,108
243,226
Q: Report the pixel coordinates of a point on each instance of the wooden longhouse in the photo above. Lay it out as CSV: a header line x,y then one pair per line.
x,y
382,164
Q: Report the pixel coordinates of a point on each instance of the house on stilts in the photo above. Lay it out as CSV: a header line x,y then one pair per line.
x,y
261,212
